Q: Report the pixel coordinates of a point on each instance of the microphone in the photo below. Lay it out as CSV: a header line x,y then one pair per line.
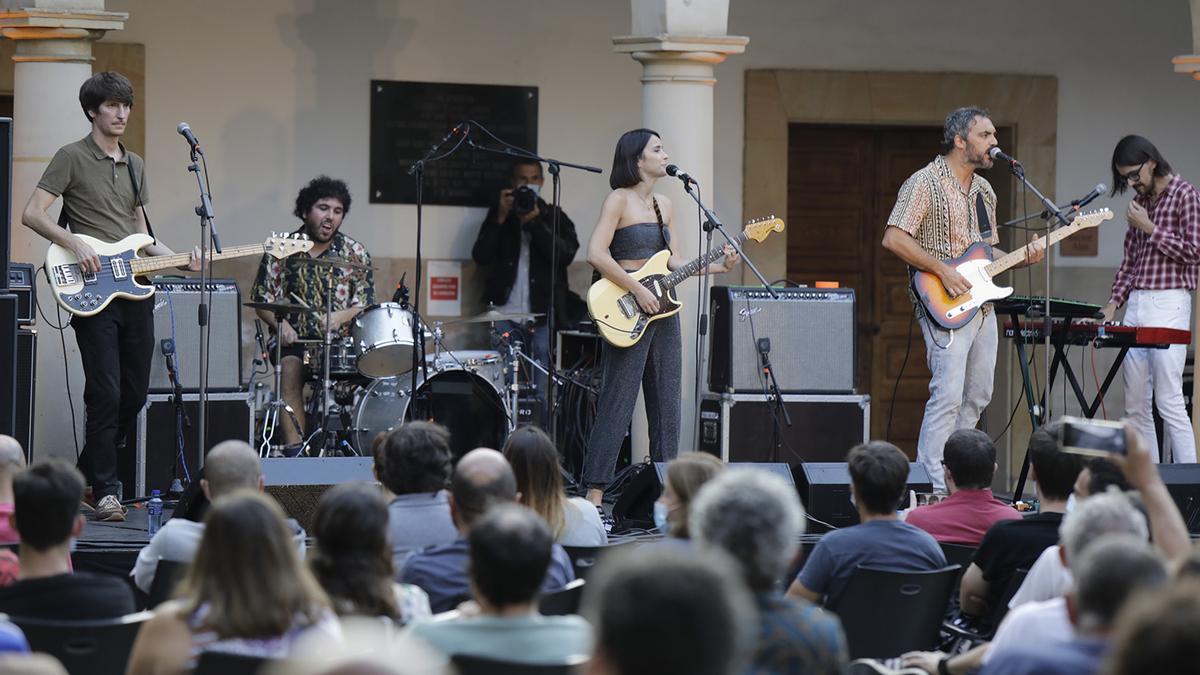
x,y
261,341
997,153
1096,192
186,131
167,346
673,170
764,348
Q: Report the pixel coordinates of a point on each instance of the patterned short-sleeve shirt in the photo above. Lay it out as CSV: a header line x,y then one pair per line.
x,y
283,281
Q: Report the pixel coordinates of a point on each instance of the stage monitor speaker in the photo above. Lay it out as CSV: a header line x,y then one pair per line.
x,y
297,483
634,508
176,301
810,332
8,364
24,403
825,491
1183,482
747,427
230,417
6,157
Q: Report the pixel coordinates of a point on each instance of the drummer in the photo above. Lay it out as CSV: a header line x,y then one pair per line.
x,y
321,205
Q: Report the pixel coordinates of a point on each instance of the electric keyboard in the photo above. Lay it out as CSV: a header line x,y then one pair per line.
x,y
1060,308
1099,335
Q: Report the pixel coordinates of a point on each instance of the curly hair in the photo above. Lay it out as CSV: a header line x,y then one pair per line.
x,y
322,187
413,458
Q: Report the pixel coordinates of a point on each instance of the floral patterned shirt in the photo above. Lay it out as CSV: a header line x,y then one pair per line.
x,y
285,280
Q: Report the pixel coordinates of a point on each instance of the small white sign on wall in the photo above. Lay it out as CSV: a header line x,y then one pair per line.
x,y
443,282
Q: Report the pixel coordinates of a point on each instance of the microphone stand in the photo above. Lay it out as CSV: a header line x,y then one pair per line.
x,y
554,167
208,233
181,419
764,350
714,222
1050,214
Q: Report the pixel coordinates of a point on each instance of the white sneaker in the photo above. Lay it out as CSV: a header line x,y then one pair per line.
x,y
109,508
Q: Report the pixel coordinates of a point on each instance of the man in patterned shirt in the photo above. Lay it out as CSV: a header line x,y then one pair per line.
x,y
1157,273
322,205
937,217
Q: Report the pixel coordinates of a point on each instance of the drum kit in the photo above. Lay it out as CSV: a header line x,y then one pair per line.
x,y
363,385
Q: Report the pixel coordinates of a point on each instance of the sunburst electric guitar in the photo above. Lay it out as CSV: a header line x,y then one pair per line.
x,y
615,311
977,266
120,265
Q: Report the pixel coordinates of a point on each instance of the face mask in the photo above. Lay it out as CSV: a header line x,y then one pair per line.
x,y
535,188
660,518
852,502
1071,502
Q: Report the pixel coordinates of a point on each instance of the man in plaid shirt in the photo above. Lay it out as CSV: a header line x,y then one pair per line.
x,y
1157,273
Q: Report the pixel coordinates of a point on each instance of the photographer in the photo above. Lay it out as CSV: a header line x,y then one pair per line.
x,y
515,244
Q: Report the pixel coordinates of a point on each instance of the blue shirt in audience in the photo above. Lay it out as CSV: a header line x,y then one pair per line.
x,y
532,639
12,640
879,544
417,521
796,636
1080,656
441,571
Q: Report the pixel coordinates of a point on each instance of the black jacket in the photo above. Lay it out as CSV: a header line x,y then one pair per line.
x,y
498,247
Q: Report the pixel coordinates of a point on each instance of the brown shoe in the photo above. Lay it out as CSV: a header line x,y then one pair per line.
x,y
109,509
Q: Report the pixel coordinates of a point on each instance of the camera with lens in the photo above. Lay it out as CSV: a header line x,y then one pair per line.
x,y
525,199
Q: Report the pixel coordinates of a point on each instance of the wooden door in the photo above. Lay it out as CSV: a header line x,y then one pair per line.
x,y
842,185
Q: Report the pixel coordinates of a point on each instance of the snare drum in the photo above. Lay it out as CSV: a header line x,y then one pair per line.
x,y
383,337
460,400
486,364
343,359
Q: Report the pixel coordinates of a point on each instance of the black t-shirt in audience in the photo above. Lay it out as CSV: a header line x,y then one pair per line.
x,y
68,597
1013,544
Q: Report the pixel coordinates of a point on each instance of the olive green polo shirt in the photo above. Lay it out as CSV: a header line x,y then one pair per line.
x,y
96,190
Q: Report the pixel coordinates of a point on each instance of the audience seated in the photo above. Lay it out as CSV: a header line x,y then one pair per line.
x,y
1107,574
509,553
534,460
12,460
246,592
757,518
664,609
47,497
1156,633
1016,544
228,467
685,475
965,516
353,559
482,480
878,479
413,463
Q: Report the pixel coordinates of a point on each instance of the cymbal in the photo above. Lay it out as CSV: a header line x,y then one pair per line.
x,y
492,316
333,262
278,307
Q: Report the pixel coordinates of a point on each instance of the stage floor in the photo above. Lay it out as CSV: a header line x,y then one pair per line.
x,y
112,548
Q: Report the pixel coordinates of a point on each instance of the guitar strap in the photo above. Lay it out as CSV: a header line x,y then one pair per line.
x,y
985,224
65,224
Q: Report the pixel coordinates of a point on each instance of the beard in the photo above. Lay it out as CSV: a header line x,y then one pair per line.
x,y
315,231
980,159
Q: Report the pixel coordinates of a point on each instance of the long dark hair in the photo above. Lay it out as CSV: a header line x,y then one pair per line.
x,y
625,158
353,561
1132,151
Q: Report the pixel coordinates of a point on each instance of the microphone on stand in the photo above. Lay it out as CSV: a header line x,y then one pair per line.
x,y
186,131
1096,192
764,348
673,170
997,153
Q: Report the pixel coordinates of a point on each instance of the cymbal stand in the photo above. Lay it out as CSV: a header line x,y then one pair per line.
x,y
328,435
276,404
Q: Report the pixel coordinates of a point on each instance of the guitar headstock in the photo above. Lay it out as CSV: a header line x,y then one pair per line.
x,y
760,228
1092,218
284,245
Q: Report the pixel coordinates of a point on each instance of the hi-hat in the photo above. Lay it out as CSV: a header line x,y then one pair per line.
x,y
278,307
333,262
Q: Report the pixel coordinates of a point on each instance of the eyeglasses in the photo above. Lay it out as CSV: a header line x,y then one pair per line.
x,y
1132,175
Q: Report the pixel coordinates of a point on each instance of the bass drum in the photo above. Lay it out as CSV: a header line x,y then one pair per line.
x,y
462,401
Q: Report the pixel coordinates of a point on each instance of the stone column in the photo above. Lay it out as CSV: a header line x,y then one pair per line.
x,y
53,57
678,42
1190,63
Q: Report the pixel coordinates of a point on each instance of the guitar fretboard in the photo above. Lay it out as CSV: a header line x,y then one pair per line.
x,y
142,266
681,274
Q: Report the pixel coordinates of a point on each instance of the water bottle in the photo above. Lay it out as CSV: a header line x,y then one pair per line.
x,y
154,509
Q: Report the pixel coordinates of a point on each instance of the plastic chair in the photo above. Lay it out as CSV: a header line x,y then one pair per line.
x,y
562,601
887,613
97,647
166,577
223,663
478,665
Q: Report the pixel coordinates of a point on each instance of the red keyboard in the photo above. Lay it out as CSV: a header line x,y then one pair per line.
x,y
1099,335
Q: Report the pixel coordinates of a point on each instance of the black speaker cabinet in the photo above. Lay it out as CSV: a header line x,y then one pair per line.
x,y
6,156
825,490
1183,482
297,483
809,333
230,417
24,402
175,303
8,364
634,508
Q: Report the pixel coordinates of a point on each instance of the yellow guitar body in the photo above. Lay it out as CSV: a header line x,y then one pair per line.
x,y
617,317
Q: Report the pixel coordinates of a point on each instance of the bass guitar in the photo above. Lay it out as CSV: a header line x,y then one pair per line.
x,y
85,294
615,311
978,268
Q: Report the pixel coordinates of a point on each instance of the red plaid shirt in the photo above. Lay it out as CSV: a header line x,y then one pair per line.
x,y
1168,257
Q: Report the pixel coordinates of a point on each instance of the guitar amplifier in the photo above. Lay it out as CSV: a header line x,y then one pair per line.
x,y
230,417
175,305
810,335
21,283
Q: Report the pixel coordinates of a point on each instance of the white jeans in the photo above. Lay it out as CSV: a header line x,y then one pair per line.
x,y
962,364
1156,375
